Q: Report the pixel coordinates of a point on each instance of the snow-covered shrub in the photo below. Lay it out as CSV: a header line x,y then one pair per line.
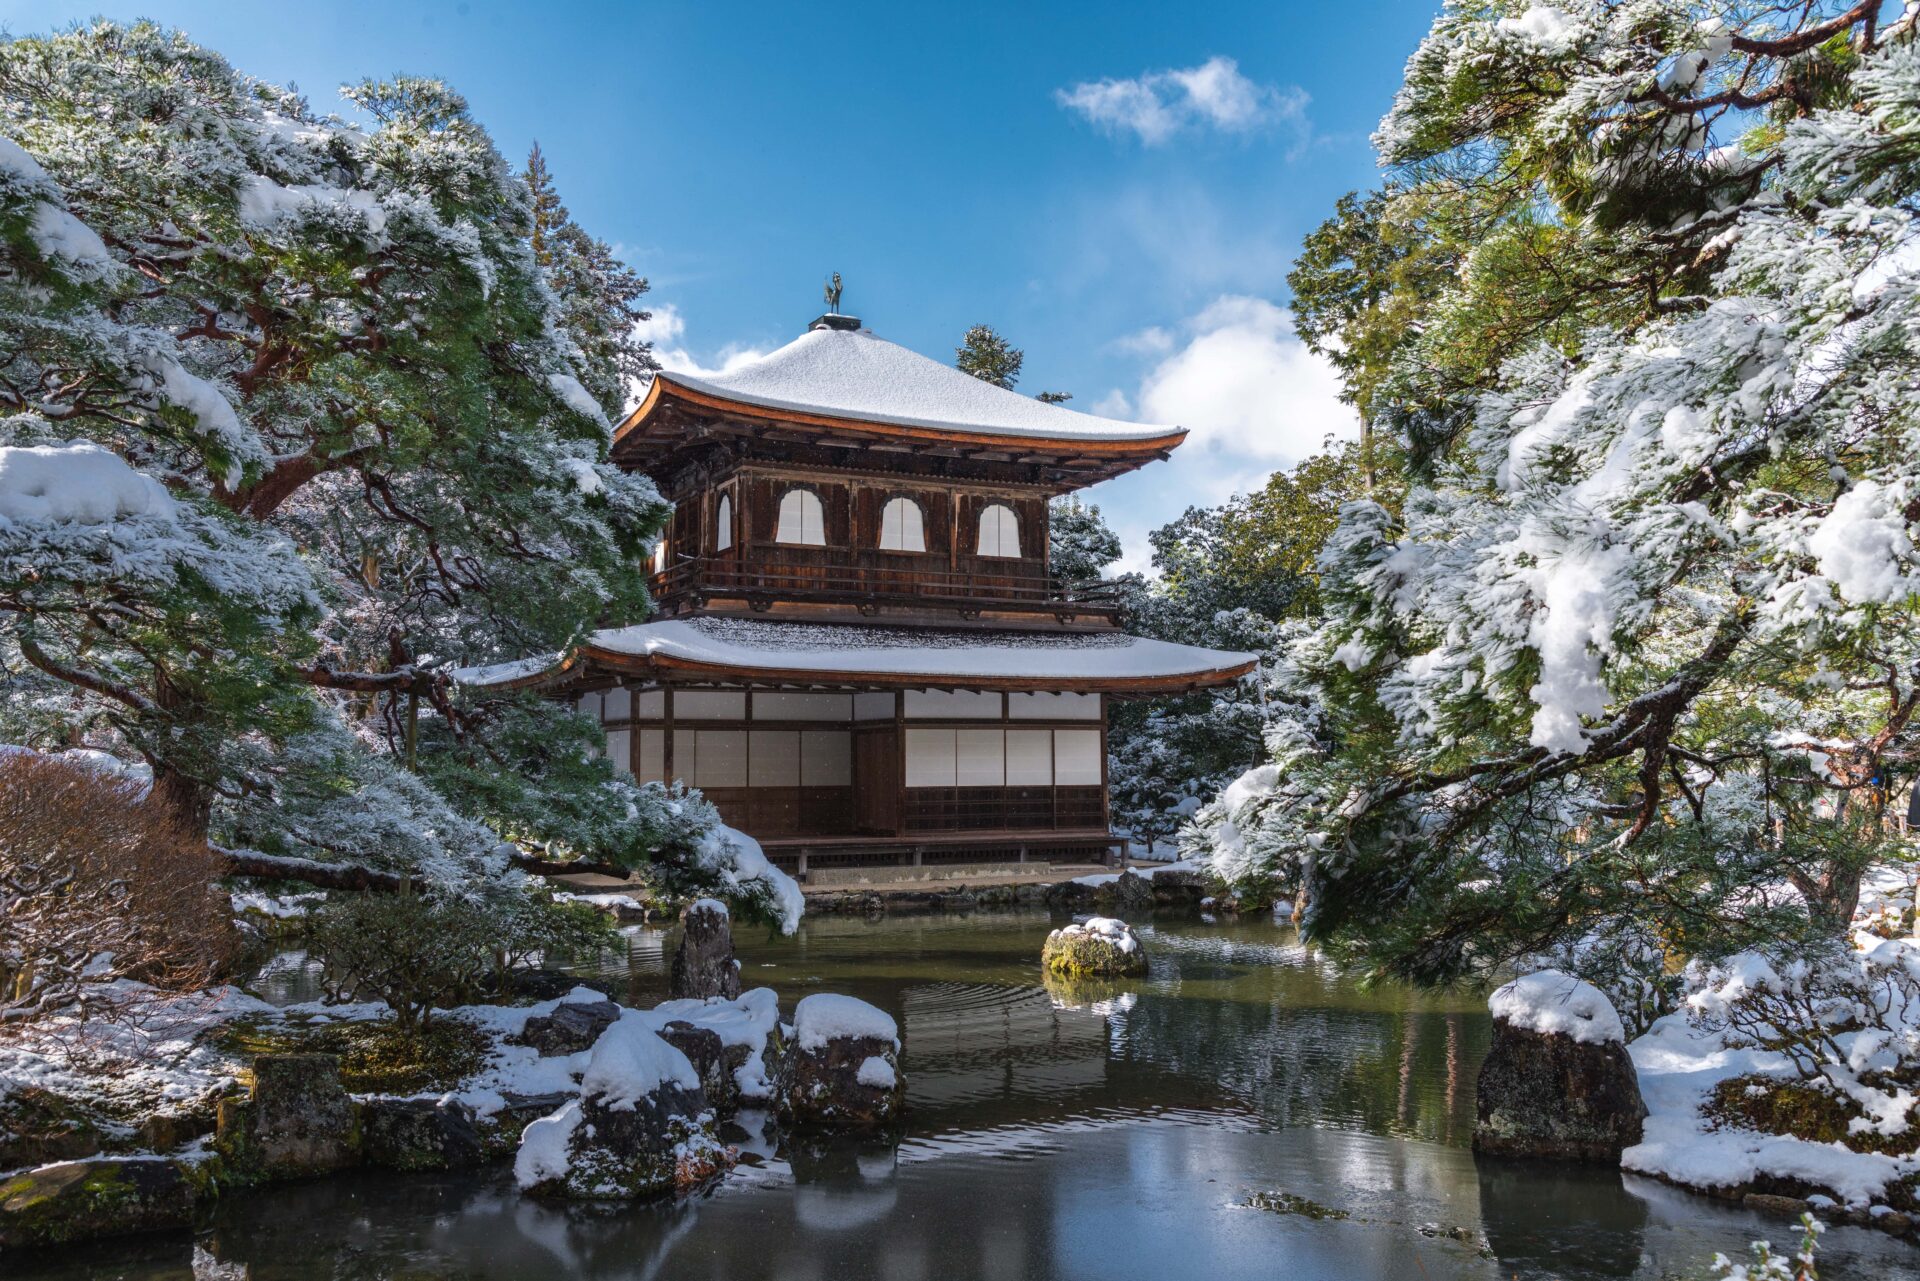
x,y
1846,1021
98,885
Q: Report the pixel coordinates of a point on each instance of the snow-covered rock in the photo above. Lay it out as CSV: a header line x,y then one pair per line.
x,y
842,1068
641,1126
1557,1081
1098,945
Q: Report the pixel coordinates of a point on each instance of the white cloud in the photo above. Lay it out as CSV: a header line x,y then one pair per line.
x,y
666,329
1157,105
1150,341
1246,386
1253,399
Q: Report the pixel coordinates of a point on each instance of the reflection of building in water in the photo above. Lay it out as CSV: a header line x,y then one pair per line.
x,y
970,1044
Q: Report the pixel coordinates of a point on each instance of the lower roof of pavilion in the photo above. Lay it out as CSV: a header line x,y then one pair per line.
x,y
845,655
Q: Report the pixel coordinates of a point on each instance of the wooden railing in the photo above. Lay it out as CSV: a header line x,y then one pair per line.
x,y
826,576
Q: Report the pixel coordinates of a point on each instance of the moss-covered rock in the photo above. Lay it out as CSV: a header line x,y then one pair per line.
x,y
1098,946
1545,1094
1805,1110
419,1134
298,1121
88,1200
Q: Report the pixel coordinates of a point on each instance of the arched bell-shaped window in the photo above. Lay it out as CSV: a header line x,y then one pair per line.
x,y
723,523
999,532
801,519
902,528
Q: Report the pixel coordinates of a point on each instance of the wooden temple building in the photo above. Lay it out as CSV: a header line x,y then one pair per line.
x,y
860,654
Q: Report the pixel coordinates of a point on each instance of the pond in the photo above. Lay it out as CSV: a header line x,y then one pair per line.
x,y
1245,1111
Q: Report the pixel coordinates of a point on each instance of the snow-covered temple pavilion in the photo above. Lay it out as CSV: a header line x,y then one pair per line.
x,y
861,656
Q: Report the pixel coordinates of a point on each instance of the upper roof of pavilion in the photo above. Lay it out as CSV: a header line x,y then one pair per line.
x,y
840,384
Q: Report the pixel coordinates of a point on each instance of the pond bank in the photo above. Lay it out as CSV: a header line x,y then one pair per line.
x,y
1182,1124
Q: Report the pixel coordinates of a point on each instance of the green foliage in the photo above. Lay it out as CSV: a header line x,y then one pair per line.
x,y
373,370
1080,545
418,951
1592,660
1234,577
989,357
598,293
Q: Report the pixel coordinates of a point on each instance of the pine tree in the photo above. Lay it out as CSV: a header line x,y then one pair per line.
x,y
598,295
989,357
316,429
1641,629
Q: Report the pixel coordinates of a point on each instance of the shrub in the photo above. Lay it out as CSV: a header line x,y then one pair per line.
x,y
416,951
97,884
412,950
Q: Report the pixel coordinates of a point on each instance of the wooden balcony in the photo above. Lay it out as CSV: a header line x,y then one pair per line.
x,y
865,579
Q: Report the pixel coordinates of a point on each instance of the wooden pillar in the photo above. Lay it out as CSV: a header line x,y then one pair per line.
x,y
667,735
900,760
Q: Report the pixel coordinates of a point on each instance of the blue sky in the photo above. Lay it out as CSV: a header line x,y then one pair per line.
x,y
1118,188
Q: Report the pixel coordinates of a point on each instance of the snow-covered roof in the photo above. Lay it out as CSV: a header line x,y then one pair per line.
x,y
855,374
892,655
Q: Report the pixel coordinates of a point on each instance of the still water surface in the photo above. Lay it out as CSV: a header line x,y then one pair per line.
x,y
1100,1131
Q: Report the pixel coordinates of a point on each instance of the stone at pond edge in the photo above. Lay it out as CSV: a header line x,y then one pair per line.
x,y
1544,1094
1081,950
572,1027
824,1089
663,1143
703,964
1126,893
299,1120
86,1200
419,1134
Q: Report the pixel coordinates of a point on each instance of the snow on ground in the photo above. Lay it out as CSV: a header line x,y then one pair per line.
x,y
1678,1066
1553,1001
1680,1061
826,1016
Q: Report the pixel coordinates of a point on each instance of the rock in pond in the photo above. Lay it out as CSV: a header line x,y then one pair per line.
x,y
1557,1082
710,1060
703,964
85,1200
842,1068
572,1027
299,1120
640,1127
1098,945
419,1134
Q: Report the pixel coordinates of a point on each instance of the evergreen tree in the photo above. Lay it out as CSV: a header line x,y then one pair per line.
x,y
303,426
1080,544
1637,646
1240,576
989,357
598,295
